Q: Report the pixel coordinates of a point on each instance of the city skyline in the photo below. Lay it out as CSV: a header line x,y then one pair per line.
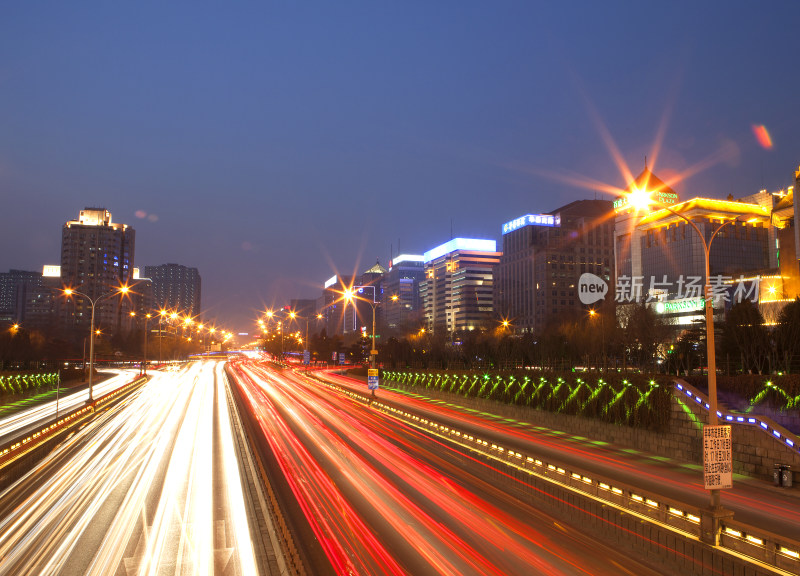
x,y
249,156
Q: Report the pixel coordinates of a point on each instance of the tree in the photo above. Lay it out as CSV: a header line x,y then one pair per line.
x,y
787,336
643,334
688,351
745,337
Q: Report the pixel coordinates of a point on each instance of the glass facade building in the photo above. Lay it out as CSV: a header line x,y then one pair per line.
x,y
176,288
543,258
457,292
96,258
402,304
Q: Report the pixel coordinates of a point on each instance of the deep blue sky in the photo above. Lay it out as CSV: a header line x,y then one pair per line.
x,y
269,143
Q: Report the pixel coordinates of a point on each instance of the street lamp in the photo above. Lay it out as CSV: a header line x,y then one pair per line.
x,y
294,316
161,315
144,353
93,301
641,199
279,323
592,314
350,295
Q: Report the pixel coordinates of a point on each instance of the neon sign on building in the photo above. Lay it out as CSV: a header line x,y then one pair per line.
x,y
532,220
471,244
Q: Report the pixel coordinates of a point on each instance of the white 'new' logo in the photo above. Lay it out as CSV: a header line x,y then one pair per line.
x,y
591,288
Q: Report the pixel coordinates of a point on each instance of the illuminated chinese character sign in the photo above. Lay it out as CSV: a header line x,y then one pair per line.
x,y
659,196
532,220
717,457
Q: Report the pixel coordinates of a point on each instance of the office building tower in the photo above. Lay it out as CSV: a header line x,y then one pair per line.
x,y
661,256
26,300
544,256
367,291
333,307
457,291
175,288
97,258
402,308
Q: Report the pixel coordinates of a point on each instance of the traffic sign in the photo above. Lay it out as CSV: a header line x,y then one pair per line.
x,y
372,378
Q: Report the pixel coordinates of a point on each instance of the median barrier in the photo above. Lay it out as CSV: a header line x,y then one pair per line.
x,y
24,445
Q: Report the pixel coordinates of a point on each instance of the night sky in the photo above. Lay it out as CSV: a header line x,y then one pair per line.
x,y
271,144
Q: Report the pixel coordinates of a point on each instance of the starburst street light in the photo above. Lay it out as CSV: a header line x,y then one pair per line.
x,y
349,295
641,200
69,292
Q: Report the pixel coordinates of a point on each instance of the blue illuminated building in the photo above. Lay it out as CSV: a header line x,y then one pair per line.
x,y
457,290
543,258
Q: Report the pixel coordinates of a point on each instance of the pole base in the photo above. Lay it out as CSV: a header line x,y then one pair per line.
x,y
710,524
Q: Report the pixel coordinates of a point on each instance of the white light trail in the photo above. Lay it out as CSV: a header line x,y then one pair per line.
x,y
160,474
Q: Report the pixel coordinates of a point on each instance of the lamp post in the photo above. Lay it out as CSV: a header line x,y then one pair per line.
x,y
270,315
146,330
93,301
161,314
144,353
295,316
350,295
592,314
641,199
200,328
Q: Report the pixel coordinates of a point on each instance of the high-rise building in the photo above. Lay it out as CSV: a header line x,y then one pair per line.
x,y
142,303
25,300
368,289
544,256
332,307
96,258
661,256
175,288
458,285
402,306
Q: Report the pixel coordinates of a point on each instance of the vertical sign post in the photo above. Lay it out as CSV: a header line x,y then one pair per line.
x,y
372,378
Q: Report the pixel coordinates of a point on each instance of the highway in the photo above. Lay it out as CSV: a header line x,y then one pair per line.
x,y
376,496
150,486
753,501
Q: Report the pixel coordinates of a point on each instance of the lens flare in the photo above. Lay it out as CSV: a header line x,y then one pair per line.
x,y
762,136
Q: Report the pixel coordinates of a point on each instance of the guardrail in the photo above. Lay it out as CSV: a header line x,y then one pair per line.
x,y
285,536
781,554
763,423
19,447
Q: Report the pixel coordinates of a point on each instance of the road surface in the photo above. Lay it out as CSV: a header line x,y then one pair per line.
x,y
381,497
151,486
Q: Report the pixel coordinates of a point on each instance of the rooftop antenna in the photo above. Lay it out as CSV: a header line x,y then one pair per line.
x,y
645,161
451,228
